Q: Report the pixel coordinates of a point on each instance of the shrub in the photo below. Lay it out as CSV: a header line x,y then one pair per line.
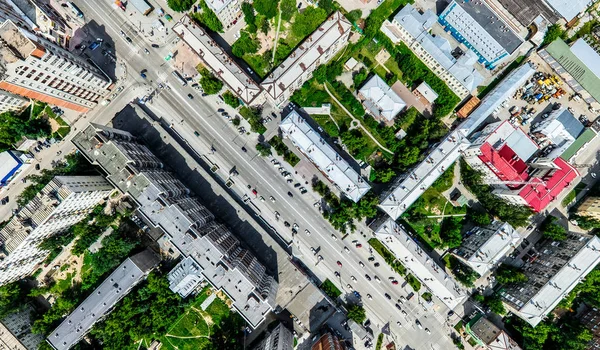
x,y
252,115
231,99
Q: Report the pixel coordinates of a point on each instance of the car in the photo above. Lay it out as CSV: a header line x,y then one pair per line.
x,y
339,263
369,297
377,279
262,199
272,199
220,110
128,39
367,323
274,115
143,75
244,149
367,277
546,115
400,301
402,298
398,307
556,106
37,167
427,330
347,250
371,258
356,294
190,96
289,181
450,313
361,264
204,94
155,46
254,192
290,194
295,226
277,215
334,236
376,264
349,286
287,224
307,232
388,296
337,274
394,282
320,257
418,324
299,5
297,184
303,191
196,133
404,313
398,324
358,245
146,51
224,113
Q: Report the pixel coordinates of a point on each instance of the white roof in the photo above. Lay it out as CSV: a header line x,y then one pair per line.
x,y
217,60
351,63
307,54
217,5
8,164
562,283
419,180
504,133
418,262
329,162
587,55
384,101
426,91
569,9
494,249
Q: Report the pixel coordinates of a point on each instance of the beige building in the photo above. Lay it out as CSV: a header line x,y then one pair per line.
x,y
590,207
412,27
226,10
12,102
36,68
314,51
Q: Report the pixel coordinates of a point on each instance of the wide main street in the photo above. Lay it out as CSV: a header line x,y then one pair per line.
x,y
221,144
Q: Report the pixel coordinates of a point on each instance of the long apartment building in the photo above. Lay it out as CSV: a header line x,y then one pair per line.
x,y
33,67
412,27
65,201
553,269
218,256
227,11
317,49
218,61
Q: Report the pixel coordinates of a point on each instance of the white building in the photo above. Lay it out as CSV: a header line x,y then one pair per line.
x,y
65,201
217,60
324,157
185,277
569,9
412,27
11,165
226,10
425,92
314,51
380,100
561,128
419,264
483,248
35,68
12,102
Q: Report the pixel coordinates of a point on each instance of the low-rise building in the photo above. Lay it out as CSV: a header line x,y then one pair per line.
x,y
185,277
328,341
324,157
227,11
561,128
488,335
317,49
189,227
102,300
218,61
425,94
481,29
483,248
419,263
10,166
380,100
553,269
412,27
569,9
65,201
590,207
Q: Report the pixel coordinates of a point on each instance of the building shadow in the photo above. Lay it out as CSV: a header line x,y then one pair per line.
x,y
104,55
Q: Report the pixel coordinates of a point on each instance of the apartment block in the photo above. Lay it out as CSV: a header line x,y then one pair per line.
x,y
489,336
591,319
280,338
227,11
189,227
328,341
35,68
483,248
15,331
590,207
553,269
412,27
65,201
103,299
317,49
11,102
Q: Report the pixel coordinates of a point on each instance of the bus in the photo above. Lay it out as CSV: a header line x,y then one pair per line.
x,y
75,10
179,78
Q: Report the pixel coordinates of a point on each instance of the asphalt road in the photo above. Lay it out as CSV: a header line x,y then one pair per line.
x,y
199,114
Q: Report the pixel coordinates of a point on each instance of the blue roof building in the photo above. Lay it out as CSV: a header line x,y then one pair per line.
x,y
10,165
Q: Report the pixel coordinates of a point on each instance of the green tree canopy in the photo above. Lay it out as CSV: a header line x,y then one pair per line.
x,y
268,8
263,149
244,45
249,16
553,230
288,9
231,99
384,175
307,21
180,5
210,84
11,297
354,15
507,274
357,313
14,127
552,33
208,18
450,232
495,304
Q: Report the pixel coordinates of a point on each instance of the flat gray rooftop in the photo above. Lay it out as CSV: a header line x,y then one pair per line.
x,y
526,11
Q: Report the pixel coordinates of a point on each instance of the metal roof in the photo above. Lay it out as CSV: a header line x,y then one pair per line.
x,y
569,9
329,162
102,300
583,139
504,133
562,283
562,128
9,164
582,50
418,262
385,102
427,92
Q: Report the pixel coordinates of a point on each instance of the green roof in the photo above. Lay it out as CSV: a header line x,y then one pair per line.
x,y
581,141
562,53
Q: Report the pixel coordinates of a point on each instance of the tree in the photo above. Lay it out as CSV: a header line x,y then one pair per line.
x,y
408,157
268,8
507,274
231,99
263,150
354,15
354,140
249,17
288,9
307,21
359,77
357,313
327,5
320,74
495,304
208,18
11,298
14,127
384,175
210,84
252,115
480,219
244,45
553,230
262,23
552,33
407,118
180,5
450,232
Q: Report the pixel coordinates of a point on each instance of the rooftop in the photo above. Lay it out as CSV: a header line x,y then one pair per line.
x,y
9,165
569,9
590,57
102,300
562,59
217,5
562,128
562,283
308,54
504,133
527,11
16,44
185,277
418,262
587,136
380,99
489,335
217,60
427,92
329,162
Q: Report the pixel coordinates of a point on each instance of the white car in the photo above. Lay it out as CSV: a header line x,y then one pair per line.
x,y
361,264
307,232
377,279
369,296
272,199
334,237
347,250
353,278
262,199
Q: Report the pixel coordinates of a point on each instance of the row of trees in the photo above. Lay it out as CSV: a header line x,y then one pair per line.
x,y
207,18
282,150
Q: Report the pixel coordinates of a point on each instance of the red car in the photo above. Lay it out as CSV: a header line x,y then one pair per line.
x,y
358,245
339,264
254,192
394,282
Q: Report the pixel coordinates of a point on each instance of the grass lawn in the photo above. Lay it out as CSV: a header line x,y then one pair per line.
x,y
330,289
573,194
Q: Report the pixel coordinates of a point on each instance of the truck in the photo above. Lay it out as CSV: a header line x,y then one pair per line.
x,y
179,78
